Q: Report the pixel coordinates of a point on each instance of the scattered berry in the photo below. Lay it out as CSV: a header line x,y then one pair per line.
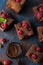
x,y
3,15
39,15
2,40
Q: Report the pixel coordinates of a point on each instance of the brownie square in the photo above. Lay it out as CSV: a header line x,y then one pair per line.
x,y
15,5
35,53
5,20
38,12
23,29
40,33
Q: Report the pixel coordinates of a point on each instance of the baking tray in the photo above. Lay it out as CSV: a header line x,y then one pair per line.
x,y
11,34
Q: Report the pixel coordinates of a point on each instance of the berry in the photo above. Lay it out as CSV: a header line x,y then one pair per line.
x,y
41,9
24,25
6,62
4,25
38,49
2,40
18,1
39,15
20,32
33,56
3,15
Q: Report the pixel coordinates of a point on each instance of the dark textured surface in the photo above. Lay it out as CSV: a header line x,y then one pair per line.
x,y
11,33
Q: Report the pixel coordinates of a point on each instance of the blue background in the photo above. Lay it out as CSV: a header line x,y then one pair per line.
x,y
11,35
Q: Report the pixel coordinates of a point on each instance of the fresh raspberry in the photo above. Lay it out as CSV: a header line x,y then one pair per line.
x,y
39,15
4,25
2,40
33,56
6,62
24,25
18,1
38,49
3,15
20,32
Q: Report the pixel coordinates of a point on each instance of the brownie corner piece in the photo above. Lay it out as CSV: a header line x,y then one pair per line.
x,y
23,29
15,5
38,12
40,33
5,20
35,53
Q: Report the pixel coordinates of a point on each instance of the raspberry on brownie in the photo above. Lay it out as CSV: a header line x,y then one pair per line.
x,y
38,12
23,29
5,20
15,5
35,53
2,41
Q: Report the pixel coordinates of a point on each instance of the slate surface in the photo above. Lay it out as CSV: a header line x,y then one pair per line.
x,y
11,33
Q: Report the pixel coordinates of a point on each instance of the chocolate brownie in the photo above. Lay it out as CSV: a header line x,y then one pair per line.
x,y
38,12
35,53
15,5
40,33
5,20
23,29
13,50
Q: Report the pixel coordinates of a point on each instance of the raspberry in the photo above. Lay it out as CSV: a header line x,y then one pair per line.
x,y
20,32
4,25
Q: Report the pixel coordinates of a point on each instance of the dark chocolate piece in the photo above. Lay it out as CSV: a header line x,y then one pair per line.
x,y
35,53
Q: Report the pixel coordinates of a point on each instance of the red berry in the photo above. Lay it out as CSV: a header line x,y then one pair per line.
x,y
20,32
6,62
39,15
3,15
38,49
24,25
4,25
41,9
18,1
33,56
2,40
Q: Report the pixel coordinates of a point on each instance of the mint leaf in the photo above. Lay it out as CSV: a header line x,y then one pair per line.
x,y
3,20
